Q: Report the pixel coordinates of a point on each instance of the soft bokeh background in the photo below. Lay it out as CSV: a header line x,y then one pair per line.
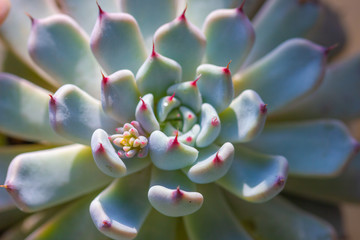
x,y
349,11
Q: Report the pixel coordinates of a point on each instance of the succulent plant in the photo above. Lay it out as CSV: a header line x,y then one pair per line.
x,y
180,149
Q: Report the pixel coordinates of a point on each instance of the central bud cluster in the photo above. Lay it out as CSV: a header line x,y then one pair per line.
x,y
131,140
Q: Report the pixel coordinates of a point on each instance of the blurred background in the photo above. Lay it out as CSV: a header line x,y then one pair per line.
x,y
349,11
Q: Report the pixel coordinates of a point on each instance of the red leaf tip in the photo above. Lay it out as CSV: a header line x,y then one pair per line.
x,y
106,224
177,194
143,105
52,99
32,19
241,8
263,108
104,80
154,53
280,181
217,160
193,83
226,69
100,149
171,97
101,12
215,122
328,50
182,16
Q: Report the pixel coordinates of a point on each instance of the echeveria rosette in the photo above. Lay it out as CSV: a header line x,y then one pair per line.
x,y
171,123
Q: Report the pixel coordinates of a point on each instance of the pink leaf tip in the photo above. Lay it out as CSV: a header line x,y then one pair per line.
x,y
153,52
101,12
177,194
52,99
143,105
217,160
32,19
328,50
182,16
241,8
226,69
106,224
263,108
193,83
104,80
100,149
171,97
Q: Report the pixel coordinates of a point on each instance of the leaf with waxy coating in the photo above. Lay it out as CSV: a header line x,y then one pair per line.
x,y
168,153
75,115
42,179
144,114
60,47
244,119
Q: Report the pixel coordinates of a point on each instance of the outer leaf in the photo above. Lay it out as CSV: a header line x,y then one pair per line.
x,y
85,12
16,29
281,86
117,43
337,96
46,178
229,35
24,110
121,209
244,119
60,47
73,220
278,20
255,177
187,38
215,219
278,219
119,95
76,115
144,114
319,148
343,187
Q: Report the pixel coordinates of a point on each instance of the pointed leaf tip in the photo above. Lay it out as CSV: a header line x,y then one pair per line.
x,y
328,50
153,52
241,8
52,99
226,69
101,11
193,83
182,16
105,79
32,19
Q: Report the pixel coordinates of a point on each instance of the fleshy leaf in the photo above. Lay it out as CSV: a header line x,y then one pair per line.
x,y
244,119
254,176
337,96
278,219
117,43
170,154
85,12
189,118
24,110
144,114
206,223
73,220
210,126
278,20
119,95
46,178
281,86
212,163
16,29
60,47
173,194
189,138
75,115
120,210
215,86
157,74
165,106
188,93
150,14
148,231
261,219
341,188
187,38
108,160
320,148
229,36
